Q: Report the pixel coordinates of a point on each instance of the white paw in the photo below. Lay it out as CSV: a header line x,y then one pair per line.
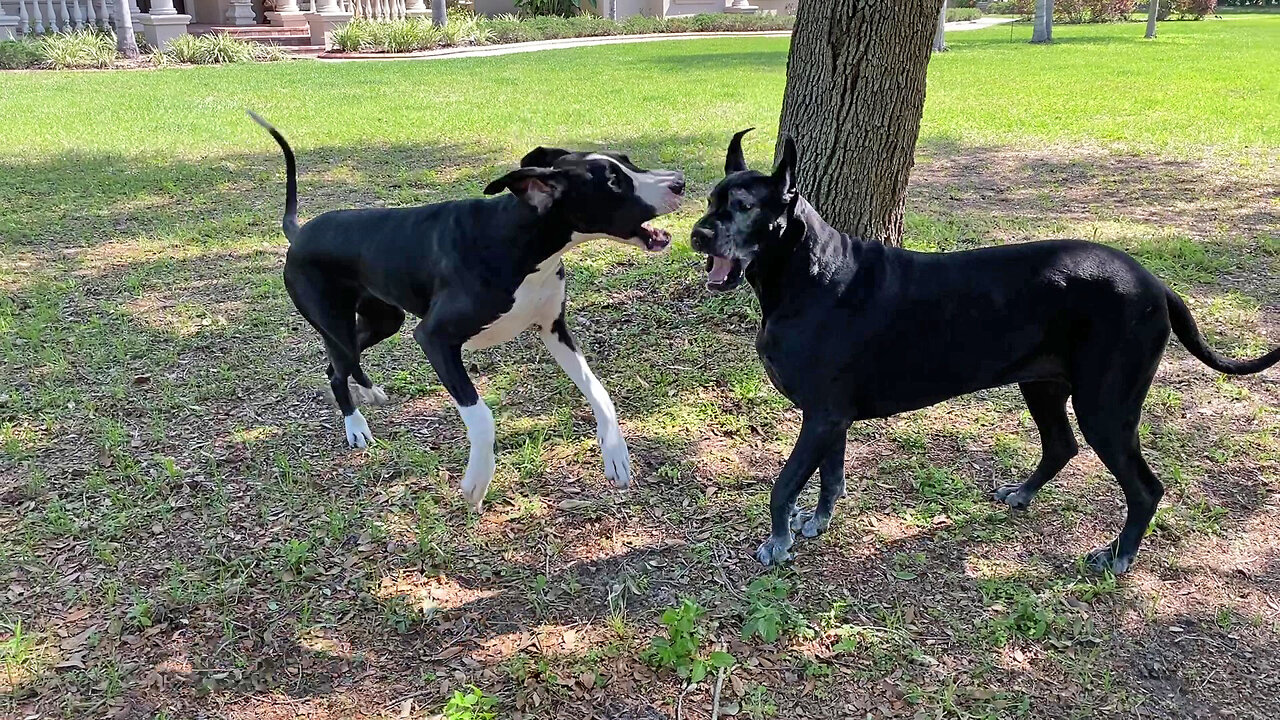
x,y
617,459
358,433
475,484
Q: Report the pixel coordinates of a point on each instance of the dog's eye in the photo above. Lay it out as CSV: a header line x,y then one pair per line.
x,y
742,205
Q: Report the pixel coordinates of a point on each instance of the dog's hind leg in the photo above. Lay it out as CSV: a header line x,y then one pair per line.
x,y
831,473
817,436
617,459
375,321
1107,396
1047,402
331,311
446,357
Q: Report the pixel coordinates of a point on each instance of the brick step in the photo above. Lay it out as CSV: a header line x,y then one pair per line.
x,y
265,34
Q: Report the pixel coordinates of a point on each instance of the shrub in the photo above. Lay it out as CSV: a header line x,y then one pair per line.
x,y
221,48
1194,9
214,49
959,14
1092,11
563,8
19,54
355,36
1022,8
78,49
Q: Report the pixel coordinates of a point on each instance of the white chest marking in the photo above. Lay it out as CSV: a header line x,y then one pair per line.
x,y
537,301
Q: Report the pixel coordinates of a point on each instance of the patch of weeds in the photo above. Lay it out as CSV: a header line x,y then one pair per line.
x,y
769,613
471,705
1179,522
141,613
403,615
758,703
17,652
1010,452
296,556
906,566
1045,618
948,499
680,650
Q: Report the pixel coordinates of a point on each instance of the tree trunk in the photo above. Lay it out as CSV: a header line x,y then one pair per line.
x,y
939,37
1042,23
126,41
1153,9
439,14
855,94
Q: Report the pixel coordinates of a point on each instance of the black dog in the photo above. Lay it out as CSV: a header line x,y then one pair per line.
x,y
852,330
477,272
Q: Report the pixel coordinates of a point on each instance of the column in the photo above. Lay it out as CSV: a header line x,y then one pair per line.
x,y
162,24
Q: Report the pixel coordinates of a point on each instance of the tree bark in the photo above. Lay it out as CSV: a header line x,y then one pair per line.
x,y
126,41
439,15
1153,9
854,98
1042,23
940,37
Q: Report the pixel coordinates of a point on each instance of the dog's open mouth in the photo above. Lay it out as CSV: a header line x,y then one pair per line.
x,y
723,273
654,239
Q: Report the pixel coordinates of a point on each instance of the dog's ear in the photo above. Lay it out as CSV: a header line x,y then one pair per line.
x,y
542,157
540,187
734,160
785,174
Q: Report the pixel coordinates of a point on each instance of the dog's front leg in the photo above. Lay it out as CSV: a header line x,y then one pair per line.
x,y
831,472
617,459
817,436
446,358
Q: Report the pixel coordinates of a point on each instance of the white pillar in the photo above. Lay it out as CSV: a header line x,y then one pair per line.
x,y
162,24
287,14
327,17
741,6
416,8
240,12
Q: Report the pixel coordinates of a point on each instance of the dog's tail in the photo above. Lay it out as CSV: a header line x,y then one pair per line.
x,y
1184,326
290,222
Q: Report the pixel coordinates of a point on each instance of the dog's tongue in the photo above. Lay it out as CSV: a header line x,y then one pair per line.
x,y
720,268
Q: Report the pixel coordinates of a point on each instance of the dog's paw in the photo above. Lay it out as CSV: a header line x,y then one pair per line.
x,y
358,433
1107,558
475,485
1015,496
809,523
814,524
360,395
774,551
617,459
370,397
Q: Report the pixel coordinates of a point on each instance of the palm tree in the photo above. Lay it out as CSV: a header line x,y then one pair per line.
x,y
126,42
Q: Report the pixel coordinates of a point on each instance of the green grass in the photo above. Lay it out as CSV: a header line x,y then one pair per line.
x,y
172,485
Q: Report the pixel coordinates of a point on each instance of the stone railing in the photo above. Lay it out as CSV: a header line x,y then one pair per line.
x,y
379,9
57,16
20,18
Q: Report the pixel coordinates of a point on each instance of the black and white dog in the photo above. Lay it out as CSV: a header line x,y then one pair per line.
x,y
852,330
477,272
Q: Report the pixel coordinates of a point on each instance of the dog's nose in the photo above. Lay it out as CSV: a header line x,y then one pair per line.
x,y
701,235
677,184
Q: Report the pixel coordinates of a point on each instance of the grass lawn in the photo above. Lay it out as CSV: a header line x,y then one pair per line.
x,y
186,535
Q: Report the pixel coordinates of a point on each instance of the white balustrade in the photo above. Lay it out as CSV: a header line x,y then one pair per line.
x,y
377,9
44,16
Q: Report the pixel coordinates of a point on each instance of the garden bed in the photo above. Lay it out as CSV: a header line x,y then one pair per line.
x,y
414,36
96,49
